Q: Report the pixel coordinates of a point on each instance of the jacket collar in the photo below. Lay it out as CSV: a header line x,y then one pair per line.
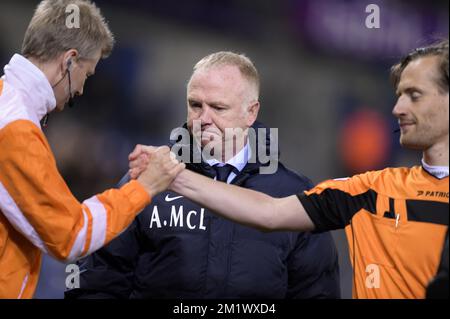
x,y
33,86
251,168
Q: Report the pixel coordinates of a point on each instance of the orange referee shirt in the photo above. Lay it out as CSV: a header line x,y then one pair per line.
x,y
38,213
395,220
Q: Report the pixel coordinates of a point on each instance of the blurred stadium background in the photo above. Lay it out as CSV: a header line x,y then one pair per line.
x,y
325,85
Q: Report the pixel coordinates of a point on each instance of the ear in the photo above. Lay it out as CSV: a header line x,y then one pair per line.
x,y
68,59
253,111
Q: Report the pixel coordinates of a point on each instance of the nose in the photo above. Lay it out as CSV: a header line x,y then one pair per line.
x,y
206,115
400,107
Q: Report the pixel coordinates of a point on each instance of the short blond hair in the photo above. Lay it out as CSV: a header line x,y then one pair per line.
x,y
48,36
228,58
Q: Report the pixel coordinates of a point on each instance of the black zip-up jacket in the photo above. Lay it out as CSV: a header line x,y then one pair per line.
x,y
178,249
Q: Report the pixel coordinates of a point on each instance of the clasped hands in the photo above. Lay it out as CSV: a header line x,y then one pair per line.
x,y
155,168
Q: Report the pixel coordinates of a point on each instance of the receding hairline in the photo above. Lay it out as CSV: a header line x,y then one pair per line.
x,y
241,62
438,50
251,91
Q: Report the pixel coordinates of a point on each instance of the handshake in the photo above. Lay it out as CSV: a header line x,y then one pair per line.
x,y
155,168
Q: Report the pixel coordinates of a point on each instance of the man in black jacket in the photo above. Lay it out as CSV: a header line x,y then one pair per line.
x,y
178,249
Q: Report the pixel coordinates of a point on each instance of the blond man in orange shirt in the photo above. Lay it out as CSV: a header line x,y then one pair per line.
x,y
38,213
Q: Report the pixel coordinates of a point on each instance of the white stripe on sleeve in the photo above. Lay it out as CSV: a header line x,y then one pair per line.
x,y
15,216
99,218
78,245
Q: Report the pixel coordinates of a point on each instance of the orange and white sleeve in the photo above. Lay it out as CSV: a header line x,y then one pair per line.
x,y
37,202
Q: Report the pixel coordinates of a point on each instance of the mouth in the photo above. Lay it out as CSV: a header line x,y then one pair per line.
x,y
210,131
209,137
406,125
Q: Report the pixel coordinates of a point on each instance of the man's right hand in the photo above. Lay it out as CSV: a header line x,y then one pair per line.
x,y
138,159
161,170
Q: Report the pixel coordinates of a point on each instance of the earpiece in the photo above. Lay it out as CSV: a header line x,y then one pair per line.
x,y
70,102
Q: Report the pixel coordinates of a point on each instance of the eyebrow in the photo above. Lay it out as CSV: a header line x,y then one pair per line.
x,y
193,100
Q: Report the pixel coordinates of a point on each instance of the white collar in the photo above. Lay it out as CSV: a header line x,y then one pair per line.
x,y
238,161
33,86
437,171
